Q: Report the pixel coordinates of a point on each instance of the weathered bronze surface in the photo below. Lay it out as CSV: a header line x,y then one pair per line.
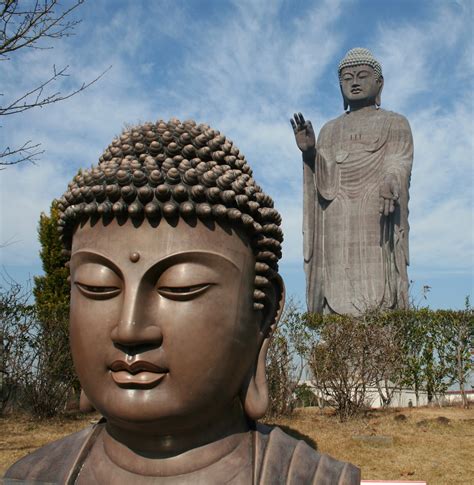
x,y
356,181
175,293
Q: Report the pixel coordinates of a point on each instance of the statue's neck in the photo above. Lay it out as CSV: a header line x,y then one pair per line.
x,y
363,104
179,452
362,108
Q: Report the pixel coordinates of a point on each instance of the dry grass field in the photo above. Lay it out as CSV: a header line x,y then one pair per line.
x,y
432,444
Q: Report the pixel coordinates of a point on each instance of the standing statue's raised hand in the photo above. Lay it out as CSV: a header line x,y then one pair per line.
x,y
304,133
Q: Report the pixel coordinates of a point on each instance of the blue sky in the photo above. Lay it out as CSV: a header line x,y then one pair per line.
x,y
244,67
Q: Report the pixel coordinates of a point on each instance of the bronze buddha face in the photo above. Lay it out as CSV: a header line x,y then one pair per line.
x,y
163,330
175,288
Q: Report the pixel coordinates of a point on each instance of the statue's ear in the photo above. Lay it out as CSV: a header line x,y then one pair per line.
x,y
378,98
346,104
254,393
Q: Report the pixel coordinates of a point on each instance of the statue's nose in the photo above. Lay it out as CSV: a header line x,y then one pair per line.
x,y
136,326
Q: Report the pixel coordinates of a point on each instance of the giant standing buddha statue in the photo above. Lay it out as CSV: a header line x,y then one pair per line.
x,y
175,293
356,181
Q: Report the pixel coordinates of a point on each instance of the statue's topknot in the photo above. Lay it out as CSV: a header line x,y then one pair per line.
x,y
169,170
358,57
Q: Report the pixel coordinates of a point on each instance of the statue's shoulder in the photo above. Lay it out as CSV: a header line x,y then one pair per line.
x,y
281,459
331,124
53,462
326,132
395,118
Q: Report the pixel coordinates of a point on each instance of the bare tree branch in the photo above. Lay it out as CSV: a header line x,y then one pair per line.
x,y
24,28
27,152
36,99
28,23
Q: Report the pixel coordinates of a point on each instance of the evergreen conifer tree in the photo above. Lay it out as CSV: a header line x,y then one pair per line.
x,y
55,379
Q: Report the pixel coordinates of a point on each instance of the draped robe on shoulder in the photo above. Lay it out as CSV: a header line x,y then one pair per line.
x,y
355,258
274,459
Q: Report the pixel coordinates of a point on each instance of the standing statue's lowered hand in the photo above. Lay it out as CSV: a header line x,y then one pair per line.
x,y
304,133
389,193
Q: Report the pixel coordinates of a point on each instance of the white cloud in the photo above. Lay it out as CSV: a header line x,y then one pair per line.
x,y
416,55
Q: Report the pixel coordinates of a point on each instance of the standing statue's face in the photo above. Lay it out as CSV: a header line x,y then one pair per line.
x,y
162,322
359,83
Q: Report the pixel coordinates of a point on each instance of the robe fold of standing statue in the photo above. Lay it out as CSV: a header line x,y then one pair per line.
x,y
356,258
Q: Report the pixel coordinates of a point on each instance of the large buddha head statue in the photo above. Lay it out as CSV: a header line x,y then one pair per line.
x,y
360,79
175,289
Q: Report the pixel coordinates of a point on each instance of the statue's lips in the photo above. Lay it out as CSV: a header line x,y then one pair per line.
x,y
138,374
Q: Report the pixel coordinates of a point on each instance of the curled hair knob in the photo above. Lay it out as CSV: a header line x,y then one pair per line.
x,y
189,151
170,209
261,281
247,221
152,209
139,178
228,197
204,210
129,193
186,209
145,194
163,192
180,193
156,177
113,192
185,138
105,208
213,194
90,208
139,147
200,141
119,208
155,147
173,176
123,177
135,209
234,214
218,156
219,211
204,153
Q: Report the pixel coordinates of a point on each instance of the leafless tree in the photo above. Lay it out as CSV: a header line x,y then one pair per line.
x,y
32,24
385,342
286,359
32,357
16,323
340,363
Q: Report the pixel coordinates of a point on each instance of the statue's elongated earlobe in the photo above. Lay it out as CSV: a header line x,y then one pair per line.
x,y
346,104
255,398
254,394
85,406
378,98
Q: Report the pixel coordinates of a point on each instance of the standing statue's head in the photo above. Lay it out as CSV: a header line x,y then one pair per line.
x,y
175,289
360,79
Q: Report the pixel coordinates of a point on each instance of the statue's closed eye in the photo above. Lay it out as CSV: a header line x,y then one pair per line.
x,y
183,292
98,292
